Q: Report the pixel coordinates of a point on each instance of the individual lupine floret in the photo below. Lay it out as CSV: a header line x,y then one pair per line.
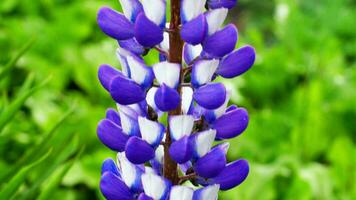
x,y
197,107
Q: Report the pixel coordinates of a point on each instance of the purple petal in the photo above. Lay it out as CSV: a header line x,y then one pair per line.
x,y
213,162
106,74
208,192
194,31
221,42
181,150
113,188
125,91
237,62
109,166
231,108
210,96
113,116
132,45
143,196
112,135
147,33
138,151
115,24
214,4
131,8
203,71
231,124
232,175
167,98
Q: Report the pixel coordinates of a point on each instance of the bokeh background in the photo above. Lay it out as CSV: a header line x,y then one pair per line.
x,y
300,94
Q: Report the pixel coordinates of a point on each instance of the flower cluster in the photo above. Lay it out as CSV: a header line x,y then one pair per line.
x,y
171,113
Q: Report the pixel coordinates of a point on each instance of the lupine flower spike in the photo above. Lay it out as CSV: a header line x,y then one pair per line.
x,y
180,155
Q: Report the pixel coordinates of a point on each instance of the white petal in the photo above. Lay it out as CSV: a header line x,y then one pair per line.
x,y
192,8
167,73
128,170
153,185
139,71
165,43
203,71
151,131
180,125
191,52
159,153
150,97
121,54
149,170
130,8
180,192
209,193
203,142
128,119
155,10
187,96
215,19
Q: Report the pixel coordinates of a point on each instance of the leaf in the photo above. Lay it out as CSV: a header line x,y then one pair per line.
x,y
8,113
6,69
11,187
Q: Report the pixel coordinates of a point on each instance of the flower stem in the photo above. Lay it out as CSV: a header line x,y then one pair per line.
x,y
170,170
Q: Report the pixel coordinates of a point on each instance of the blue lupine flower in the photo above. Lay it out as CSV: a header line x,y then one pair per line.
x,y
151,153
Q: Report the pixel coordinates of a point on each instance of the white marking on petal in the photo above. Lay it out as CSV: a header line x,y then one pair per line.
x,y
210,192
138,70
153,185
221,110
150,130
150,98
192,51
155,10
215,19
187,96
128,170
121,56
180,192
165,43
159,153
127,116
167,73
192,8
127,8
180,126
203,141
204,70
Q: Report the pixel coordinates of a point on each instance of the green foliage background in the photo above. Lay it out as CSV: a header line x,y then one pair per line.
x,y
301,96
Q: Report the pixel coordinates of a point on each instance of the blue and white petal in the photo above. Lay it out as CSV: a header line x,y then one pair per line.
x,y
202,142
132,45
113,116
164,45
203,71
190,52
237,62
113,188
138,151
191,9
167,98
143,196
180,126
194,31
131,8
157,162
211,95
111,135
152,132
155,186
232,175
211,164
214,4
140,73
212,115
187,100
181,150
109,166
225,129
130,173
180,192
147,33
129,121
221,42
150,98
115,24
215,19
121,55
207,193
155,10
167,73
